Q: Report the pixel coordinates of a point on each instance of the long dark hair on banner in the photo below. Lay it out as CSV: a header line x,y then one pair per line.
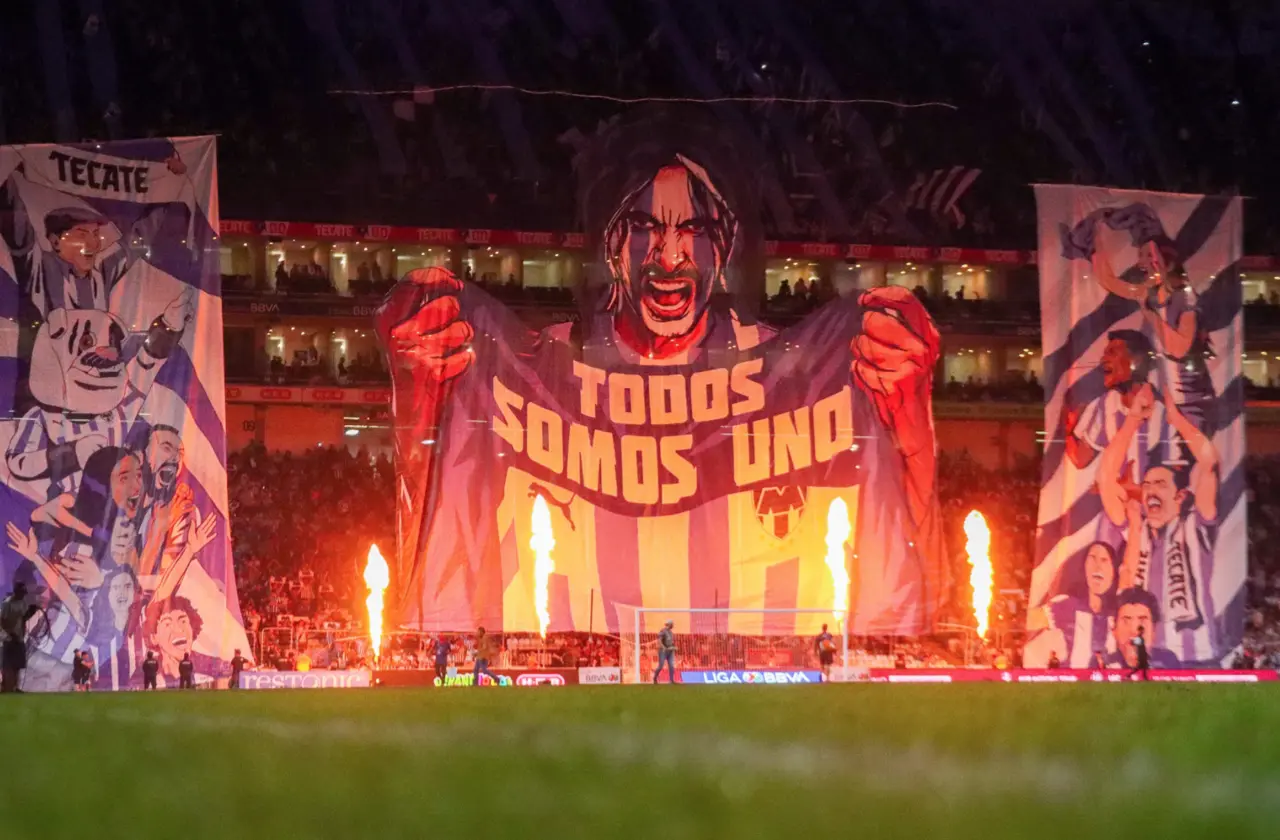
x,y
628,151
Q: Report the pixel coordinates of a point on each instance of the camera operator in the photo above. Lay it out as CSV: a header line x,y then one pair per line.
x,y
14,614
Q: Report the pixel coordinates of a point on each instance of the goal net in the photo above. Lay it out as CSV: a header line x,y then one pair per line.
x,y
728,640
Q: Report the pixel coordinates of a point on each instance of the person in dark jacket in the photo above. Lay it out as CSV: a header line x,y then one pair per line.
x,y
825,645
186,672
150,670
442,650
15,612
237,665
666,652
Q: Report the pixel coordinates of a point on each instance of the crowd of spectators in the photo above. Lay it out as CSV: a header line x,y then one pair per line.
x,y
299,572
302,526
370,280
518,651
1262,312
242,283
1262,626
744,652
1013,386
798,298
1008,499
311,367
1268,390
303,278
513,292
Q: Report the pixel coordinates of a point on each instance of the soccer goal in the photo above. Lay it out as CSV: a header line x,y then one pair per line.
x,y
724,639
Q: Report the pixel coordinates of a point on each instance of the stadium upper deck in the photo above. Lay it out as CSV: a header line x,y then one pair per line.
x,y
303,366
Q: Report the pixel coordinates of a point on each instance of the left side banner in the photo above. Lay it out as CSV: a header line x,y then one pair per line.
x,y
113,483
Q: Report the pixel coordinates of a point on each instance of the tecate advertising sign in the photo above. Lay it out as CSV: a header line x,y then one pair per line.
x,y
751,677
304,679
600,676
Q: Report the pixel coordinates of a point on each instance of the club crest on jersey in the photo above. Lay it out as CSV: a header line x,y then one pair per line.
x,y
778,509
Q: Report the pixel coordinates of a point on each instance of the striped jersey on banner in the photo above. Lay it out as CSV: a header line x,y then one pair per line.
x,y
112,417
1142,504
735,512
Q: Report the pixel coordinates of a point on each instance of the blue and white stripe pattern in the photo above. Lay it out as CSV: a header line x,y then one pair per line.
x,y
39,429
154,293
1195,570
1083,631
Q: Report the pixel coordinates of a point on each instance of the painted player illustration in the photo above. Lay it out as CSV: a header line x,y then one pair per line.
x,y
67,253
1126,365
667,249
1140,431
104,260
1084,608
1169,306
80,262
667,302
1173,523
87,393
83,587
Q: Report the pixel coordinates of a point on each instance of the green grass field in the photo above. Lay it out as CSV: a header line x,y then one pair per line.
x,y
980,761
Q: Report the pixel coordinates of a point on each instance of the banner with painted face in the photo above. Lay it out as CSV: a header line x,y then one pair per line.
x,y
666,450
1142,540
114,488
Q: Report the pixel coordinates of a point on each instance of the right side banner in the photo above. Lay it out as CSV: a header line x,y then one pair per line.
x,y
1142,502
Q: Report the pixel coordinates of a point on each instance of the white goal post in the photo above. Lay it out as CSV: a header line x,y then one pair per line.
x,y
727,638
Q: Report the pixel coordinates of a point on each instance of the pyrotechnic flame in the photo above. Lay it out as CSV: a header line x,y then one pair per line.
x,y
838,531
978,547
376,577
542,541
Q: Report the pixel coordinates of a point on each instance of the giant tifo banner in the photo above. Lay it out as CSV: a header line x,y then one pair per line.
x,y
667,450
113,483
1142,508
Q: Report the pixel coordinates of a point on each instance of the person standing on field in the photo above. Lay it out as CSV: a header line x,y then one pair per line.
x,y
237,666
15,612
825,645
484,651
150,670
442,651
666,652
1139,643
186,672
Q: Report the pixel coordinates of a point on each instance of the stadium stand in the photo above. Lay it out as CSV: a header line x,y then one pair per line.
x,y
293,148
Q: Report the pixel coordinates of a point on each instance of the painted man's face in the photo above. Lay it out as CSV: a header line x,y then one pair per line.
x,y
80,245
173,635
164,459
1161,498
667,262
1117,364
1129,619
126,485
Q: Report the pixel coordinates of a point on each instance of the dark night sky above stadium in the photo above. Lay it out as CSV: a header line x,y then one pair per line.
x,y
1140,94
